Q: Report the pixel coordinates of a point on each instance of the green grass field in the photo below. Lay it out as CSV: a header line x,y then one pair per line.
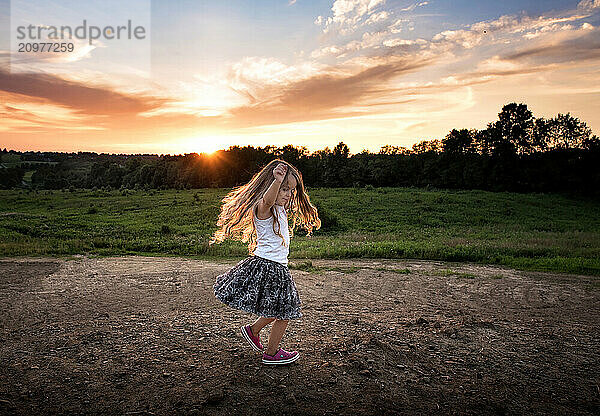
x,y
545,232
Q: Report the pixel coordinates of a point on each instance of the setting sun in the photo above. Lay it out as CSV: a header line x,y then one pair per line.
x,y
201,144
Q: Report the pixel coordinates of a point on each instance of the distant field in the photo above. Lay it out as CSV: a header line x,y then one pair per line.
x,y
525,231
9,160
12,160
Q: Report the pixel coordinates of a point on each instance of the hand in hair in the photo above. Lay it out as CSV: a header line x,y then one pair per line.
x,y
270,196
279,172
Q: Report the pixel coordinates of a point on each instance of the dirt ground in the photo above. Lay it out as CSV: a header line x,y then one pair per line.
x,y
146,336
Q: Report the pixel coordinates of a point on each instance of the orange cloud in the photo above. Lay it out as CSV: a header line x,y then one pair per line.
x,y
323,96
81,98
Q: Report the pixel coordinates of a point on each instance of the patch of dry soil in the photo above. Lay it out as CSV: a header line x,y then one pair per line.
x,y
146,336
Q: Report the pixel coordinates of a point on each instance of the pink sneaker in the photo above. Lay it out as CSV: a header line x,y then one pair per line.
x,y
281,357
252,340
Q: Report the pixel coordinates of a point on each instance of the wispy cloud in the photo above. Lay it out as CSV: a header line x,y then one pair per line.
x,y
84,99
322,96
31,61
575,45
414,6
40,115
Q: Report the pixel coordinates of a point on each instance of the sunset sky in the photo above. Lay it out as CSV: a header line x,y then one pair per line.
x,y
306,73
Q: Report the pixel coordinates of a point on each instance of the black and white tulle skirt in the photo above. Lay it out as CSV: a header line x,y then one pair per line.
x,y
260,286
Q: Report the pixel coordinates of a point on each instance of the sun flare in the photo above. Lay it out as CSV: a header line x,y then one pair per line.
x,y
203,144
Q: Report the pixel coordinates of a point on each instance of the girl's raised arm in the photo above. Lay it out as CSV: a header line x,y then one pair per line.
x,y
268,199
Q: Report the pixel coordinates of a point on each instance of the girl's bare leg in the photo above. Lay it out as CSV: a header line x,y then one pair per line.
x,y
277,331
260,324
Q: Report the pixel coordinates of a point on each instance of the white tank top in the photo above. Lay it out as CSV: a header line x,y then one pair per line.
x,y
268,244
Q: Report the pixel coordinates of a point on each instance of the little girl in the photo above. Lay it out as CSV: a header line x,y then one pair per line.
x,y
261,283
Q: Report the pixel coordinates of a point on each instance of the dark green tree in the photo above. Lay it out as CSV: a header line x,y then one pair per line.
x,y
394,150
425,146
459,141
568,132
515,126
540,134
11,177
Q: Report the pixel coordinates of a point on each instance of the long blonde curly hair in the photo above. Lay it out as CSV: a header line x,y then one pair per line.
x,y
235,220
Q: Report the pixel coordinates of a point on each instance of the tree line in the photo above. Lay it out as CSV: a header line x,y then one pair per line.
x,y
517,152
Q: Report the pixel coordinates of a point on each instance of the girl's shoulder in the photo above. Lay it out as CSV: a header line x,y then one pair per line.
x,y
255,213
